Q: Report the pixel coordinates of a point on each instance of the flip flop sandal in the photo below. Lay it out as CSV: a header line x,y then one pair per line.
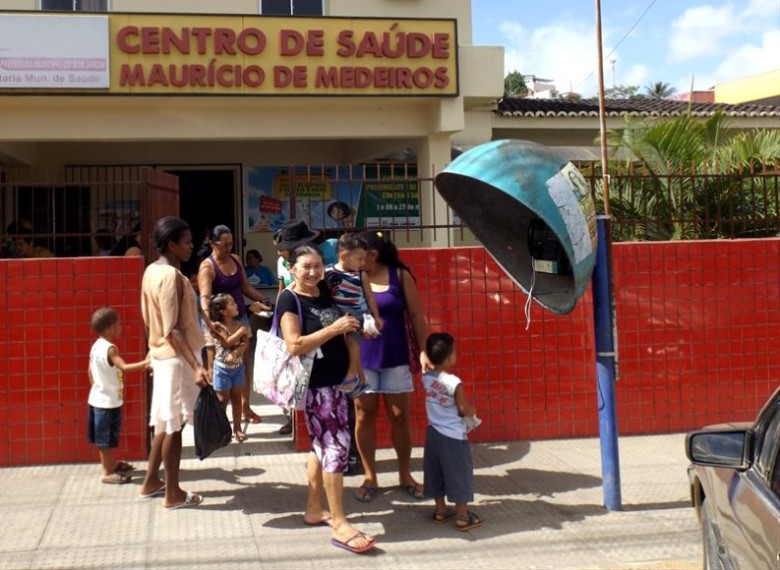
x,y
357,391
123,467
440,517
349,386
192,500
367,495
354,549
415,491
156,493
240,436
471,520
116,479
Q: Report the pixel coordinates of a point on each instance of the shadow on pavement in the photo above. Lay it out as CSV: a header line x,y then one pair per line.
x,y
545,483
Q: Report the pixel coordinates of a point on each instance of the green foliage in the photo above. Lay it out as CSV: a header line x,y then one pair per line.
x,y
514,85
684,178
659,90
623,92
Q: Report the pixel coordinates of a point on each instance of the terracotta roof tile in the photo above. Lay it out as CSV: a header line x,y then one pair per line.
x,y
627,108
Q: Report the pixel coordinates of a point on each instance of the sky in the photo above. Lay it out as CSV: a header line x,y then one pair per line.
x,y
675,41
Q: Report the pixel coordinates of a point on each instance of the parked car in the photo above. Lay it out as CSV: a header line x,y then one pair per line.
x,y
735,489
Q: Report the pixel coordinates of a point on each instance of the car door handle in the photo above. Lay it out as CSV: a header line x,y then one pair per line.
x,y
777,560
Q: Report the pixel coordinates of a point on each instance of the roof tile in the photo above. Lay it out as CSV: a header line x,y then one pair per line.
x,y
628,107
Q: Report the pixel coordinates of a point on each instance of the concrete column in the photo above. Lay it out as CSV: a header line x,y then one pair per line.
x,y
433,154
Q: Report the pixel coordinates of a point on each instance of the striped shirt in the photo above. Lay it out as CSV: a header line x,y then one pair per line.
x,y
346,289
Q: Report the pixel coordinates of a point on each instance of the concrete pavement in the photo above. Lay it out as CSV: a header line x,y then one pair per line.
x,y
541,502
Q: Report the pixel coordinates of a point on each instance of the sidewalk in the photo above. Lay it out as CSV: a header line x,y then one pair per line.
x,y
541,502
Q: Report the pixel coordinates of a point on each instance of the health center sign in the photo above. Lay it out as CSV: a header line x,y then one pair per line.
x,y
254,55
153,54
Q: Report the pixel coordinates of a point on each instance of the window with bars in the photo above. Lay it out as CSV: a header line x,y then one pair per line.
x,y
291,7
74,5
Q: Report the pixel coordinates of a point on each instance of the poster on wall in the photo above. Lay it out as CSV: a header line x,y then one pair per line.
x,y
391,203
323,197
330,198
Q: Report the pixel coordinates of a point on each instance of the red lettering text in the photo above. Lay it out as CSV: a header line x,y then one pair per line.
x,y
122,39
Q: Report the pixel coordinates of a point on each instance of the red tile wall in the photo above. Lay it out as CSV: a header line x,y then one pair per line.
x,y
697,341
698,332
45,311
697,344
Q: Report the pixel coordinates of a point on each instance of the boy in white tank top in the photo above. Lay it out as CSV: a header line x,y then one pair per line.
x,y
447,463
106,374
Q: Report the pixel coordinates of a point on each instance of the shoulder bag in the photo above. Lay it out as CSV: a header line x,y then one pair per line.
x,y
279,376
412,345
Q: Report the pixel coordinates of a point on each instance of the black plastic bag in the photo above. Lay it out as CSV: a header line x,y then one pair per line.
x,y
211,425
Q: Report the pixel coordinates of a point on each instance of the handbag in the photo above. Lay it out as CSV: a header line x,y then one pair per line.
x,y
278,375
211,427
412,345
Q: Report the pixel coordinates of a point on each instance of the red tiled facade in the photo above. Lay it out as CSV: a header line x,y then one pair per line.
x,y
697,344
45,311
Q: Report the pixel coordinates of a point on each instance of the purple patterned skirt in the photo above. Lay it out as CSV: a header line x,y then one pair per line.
x,y
326,419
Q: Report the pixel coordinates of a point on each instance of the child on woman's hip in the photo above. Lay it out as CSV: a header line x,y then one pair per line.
x,y
354,296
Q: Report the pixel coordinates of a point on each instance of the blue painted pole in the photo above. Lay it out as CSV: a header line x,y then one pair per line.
x,y
605,369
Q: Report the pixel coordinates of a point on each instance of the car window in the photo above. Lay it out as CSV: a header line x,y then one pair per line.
x,y
766,464
776,478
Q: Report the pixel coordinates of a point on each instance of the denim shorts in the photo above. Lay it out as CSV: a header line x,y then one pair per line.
x,y
396,380
103,426
225,378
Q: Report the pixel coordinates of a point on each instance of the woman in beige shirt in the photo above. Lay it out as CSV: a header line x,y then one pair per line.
x,y
169,310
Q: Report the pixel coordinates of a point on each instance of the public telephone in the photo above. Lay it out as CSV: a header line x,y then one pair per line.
x,y
547,253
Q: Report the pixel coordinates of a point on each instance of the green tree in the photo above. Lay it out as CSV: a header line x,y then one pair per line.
x,y
659,90
514,85
623,92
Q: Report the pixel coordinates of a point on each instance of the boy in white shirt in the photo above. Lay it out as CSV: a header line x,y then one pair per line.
x,y
447,464
106,369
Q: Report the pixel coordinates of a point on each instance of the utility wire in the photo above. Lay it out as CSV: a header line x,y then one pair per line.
x,y
631,29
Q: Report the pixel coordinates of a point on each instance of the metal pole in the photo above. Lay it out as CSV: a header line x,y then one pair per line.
x,y
602,112
605,370
602,317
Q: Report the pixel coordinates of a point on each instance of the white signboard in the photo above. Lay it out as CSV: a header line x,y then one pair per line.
x,y
52,52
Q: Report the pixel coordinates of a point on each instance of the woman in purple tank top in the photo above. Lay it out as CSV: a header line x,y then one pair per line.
x,y
386,363
222,272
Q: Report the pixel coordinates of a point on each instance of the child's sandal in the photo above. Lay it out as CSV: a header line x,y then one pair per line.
x,y
440,517
123,467
466,523
116,479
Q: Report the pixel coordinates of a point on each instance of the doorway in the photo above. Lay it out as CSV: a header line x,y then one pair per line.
x,y
208,197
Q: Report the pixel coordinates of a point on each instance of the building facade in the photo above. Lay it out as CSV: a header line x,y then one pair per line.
x,y
236,98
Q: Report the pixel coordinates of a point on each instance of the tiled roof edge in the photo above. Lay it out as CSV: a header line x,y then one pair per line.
x,y
629,108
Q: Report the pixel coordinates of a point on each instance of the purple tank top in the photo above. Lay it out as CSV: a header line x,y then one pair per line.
x,y
388,349
230,284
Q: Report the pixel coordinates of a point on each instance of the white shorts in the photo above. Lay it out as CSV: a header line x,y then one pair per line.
x,y
396,380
